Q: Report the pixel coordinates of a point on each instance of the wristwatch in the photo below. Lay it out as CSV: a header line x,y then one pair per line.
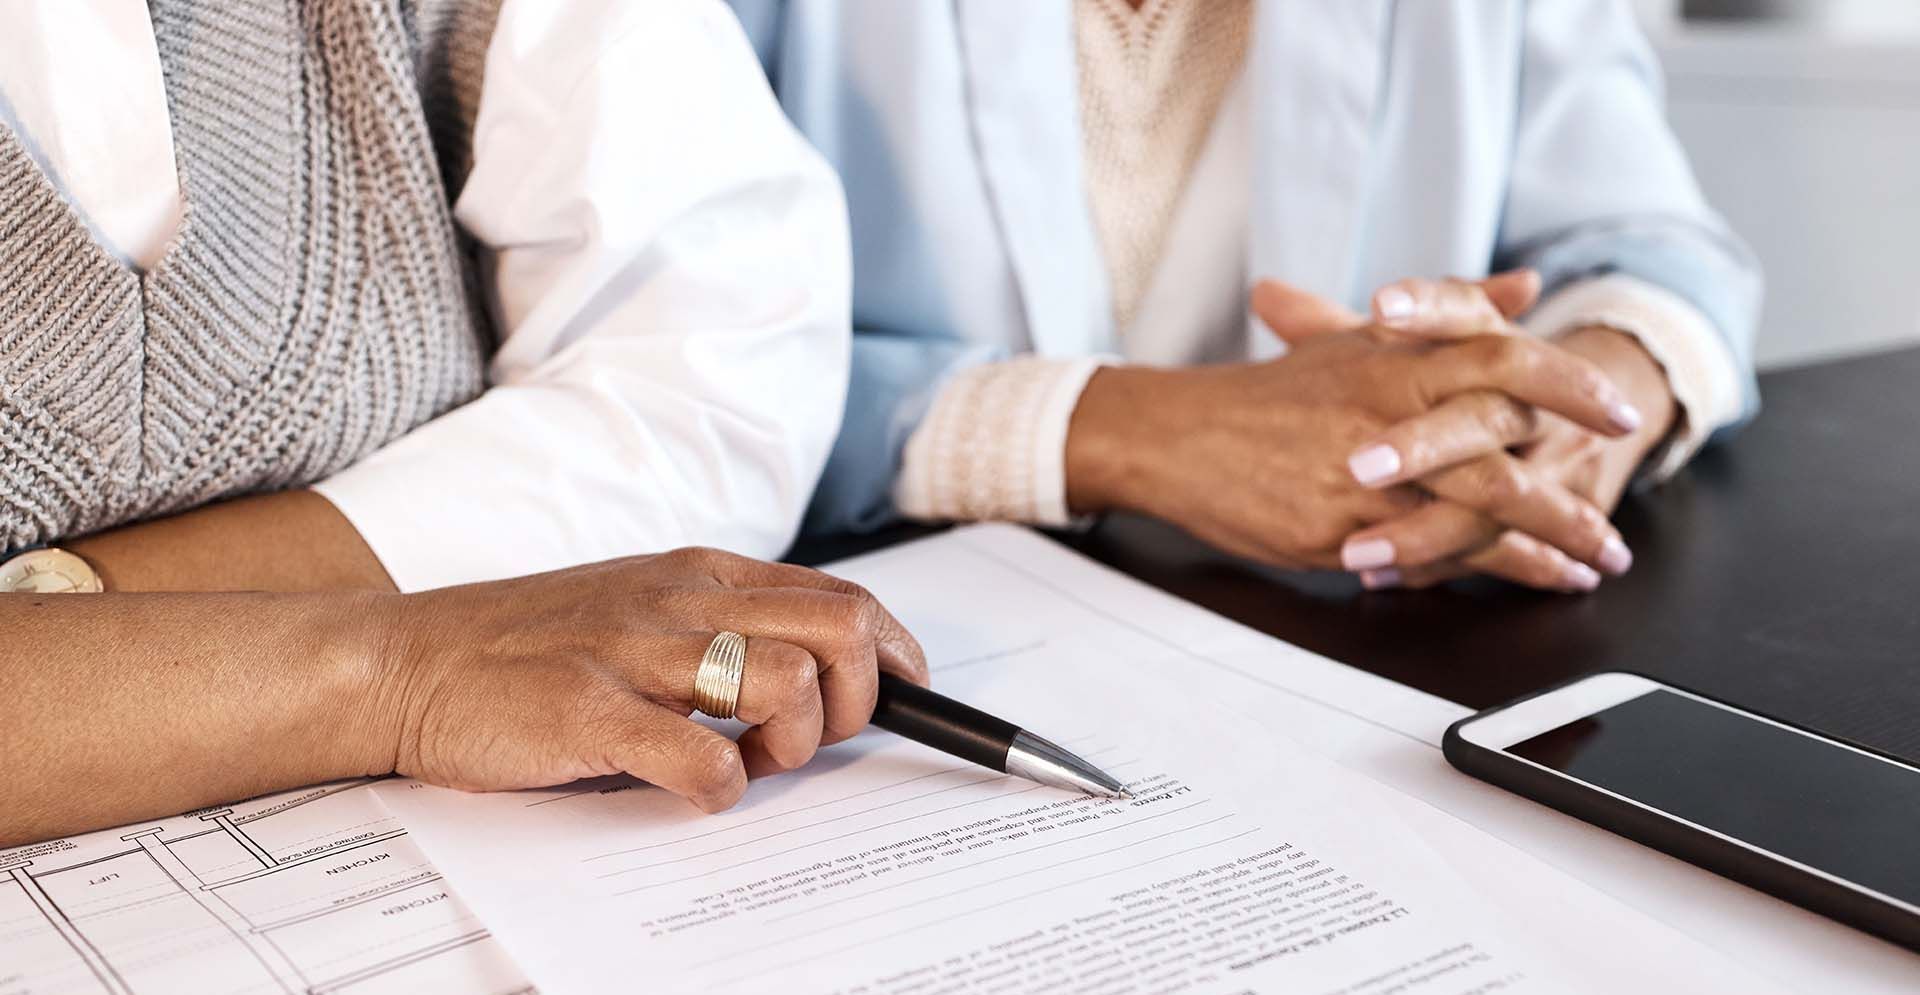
x,y
46,570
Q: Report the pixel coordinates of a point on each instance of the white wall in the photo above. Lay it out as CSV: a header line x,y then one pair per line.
x,y
1806,134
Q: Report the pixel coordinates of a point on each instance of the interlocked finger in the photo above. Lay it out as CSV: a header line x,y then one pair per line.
x,y
1509,492
1528,370
1452,308
1458,429
1513,556
1439,531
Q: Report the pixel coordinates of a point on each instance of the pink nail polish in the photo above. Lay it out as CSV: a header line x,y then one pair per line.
x,y
1624,416
1374,464
1580,577
1380,580
1615,558
1395,305
1366,554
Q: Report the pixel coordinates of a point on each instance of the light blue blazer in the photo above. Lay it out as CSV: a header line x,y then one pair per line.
x,y
1392,139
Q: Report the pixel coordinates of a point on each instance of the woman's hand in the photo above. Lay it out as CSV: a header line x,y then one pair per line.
x,y
147,698
1255,458
589,671
1437,543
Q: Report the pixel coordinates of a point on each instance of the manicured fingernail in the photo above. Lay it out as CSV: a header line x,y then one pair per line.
x,y
1395,305
1580,577
1366,554
1624,416
1379,580
1374,464
1615,557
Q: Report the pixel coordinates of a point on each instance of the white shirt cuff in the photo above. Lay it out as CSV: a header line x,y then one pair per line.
x,y
521,481
994,444
1701,370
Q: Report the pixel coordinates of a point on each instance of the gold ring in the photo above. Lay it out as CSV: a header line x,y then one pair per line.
x,y
716,686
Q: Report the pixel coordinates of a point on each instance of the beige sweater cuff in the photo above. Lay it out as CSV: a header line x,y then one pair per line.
x,y
993,445
1701,370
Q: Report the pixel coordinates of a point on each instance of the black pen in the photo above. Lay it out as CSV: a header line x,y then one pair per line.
x,y
936,720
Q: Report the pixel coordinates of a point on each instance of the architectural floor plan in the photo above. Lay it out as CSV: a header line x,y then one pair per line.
x,y
312,891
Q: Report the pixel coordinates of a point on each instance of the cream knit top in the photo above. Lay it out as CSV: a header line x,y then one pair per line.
x,y
1151,82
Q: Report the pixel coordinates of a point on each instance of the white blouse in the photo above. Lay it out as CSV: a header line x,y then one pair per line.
x,y
665,258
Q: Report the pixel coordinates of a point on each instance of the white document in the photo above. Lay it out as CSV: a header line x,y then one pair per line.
x,y
890,868
1583,893
317,890
1245,864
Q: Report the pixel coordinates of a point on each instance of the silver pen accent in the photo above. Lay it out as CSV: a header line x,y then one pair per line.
x,y
966,732
1049,763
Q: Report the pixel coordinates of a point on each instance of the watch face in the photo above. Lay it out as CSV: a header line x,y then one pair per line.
x,y
48,571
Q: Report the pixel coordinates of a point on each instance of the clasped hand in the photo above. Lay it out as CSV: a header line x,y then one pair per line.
x,y
1421,444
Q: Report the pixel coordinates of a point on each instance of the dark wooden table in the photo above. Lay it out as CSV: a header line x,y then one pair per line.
x,y
1780,571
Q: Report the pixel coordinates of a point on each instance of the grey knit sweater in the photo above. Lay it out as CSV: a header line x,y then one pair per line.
x,y
316,302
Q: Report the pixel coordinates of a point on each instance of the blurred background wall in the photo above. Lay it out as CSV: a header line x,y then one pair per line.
x,y
1803,121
